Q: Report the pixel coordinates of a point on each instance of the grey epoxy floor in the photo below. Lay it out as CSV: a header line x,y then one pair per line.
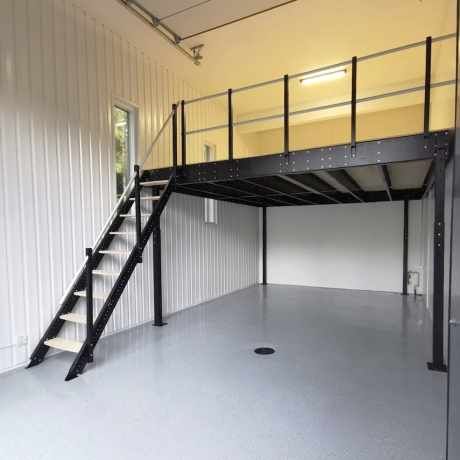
x,y
348,381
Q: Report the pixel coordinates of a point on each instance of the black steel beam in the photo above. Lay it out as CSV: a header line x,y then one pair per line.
x,y
438,363
405,247
196,190
313,184
346,181
386,181
262,182
376,152
157,284
428,180
264,245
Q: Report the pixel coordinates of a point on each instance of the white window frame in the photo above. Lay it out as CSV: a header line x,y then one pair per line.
x,y
133,113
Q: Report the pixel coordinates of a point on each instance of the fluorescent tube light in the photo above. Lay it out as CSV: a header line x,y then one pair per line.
x,y
326,75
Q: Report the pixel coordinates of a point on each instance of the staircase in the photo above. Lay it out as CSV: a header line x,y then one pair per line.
x,y
82,285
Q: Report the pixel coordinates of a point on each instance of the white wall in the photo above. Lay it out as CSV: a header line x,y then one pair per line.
x,y
60,72
353,246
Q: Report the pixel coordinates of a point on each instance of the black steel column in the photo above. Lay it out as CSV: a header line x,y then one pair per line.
x,y
286,114
354,71
89,301
264,245
438,363
405,247
157,293
174,135
426,116
230,125
183,134
137,206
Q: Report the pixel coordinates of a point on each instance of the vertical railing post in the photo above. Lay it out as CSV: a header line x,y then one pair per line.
x,y
137,204
426,112
183,133
405,247
174,135
286,114
89,302
438,364
354,71
230,125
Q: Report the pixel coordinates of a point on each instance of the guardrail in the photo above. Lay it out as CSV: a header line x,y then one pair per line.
x,y
353,101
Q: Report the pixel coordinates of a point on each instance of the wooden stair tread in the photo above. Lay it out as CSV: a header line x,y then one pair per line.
x,y
154,183
122,233
64,344
74,318
83,294
114,253
147,198
104,273
133,216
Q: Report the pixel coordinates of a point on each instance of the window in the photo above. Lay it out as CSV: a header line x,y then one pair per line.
x,y
123,142
210,206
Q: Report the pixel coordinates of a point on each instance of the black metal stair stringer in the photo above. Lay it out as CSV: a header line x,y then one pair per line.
x,y
70,301
83,357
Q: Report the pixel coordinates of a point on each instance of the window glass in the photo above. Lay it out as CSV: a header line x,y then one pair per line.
x,y
121,123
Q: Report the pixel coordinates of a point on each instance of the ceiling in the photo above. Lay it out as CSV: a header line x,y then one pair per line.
x,y
302,35
293,38
189,17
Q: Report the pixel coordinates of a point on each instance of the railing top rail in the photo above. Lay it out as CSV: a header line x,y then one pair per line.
x,y
321,69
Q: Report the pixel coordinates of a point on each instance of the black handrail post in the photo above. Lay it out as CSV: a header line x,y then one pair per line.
x,y
230,124
286,114
405,247
426,114
89,302
174,135
137,201
354,71
183,134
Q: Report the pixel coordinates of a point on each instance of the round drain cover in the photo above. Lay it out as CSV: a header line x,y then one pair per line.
x,y
264,351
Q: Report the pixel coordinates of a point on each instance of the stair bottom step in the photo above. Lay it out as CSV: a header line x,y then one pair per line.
x,y
74,318
64,344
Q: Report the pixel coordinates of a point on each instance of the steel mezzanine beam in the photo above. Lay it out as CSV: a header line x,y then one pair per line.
x,y
313,184
377,152
386,181
277,188
346,181
405,247
252,191
438,363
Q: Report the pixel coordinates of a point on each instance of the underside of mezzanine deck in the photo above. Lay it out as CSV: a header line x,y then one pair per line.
x,y
397,168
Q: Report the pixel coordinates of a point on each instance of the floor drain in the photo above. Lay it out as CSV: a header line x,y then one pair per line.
x,y
264,351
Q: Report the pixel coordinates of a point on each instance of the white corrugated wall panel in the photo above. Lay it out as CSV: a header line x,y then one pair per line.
x,y
60,73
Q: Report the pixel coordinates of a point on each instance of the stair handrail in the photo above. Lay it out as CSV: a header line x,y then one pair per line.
x,y
124,196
